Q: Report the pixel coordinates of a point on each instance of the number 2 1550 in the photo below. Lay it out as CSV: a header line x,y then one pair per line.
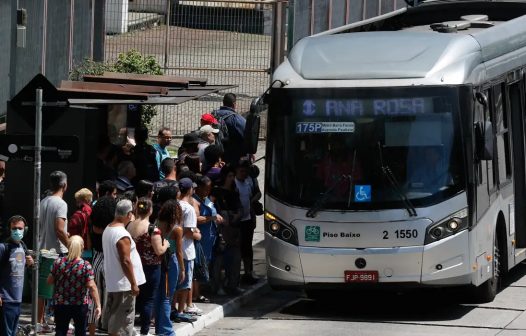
x,y
402,234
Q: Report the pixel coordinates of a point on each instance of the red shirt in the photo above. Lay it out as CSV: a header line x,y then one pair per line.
x,y
78,223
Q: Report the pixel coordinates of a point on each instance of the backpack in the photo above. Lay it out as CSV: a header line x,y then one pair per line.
x,y
222,137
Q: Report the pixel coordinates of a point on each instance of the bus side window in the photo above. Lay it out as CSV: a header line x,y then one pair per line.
x,y
503,147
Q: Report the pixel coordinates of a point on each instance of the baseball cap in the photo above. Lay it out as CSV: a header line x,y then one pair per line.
x,y
209,119
208,129
190,138
185,183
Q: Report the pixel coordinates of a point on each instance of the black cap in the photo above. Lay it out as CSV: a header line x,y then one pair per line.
x,y
190,138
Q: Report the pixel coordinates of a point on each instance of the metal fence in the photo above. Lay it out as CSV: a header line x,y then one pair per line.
x,y
313,16
225,41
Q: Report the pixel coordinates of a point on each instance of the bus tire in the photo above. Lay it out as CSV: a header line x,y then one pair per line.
x,y
488,290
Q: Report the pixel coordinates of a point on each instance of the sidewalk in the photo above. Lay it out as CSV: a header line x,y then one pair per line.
x,y
212,312
220,306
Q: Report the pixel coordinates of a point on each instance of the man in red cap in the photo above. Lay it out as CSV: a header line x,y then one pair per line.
x,y
208,119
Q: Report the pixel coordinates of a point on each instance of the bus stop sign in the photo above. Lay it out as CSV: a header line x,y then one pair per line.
x,y
54,148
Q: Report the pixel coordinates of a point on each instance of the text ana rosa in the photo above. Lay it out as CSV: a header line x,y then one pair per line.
x,y
341,235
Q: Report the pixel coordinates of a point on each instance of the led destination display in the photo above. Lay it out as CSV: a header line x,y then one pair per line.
x,y
366,107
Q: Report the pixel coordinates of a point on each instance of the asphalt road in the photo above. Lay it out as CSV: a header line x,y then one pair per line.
x,y
429,313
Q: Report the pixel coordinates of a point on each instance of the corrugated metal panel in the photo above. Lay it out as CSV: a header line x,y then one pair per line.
x,y
58,41
62,46
82,30
28,59
5,53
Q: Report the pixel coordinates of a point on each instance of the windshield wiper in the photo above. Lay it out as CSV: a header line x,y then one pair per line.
x,y
396,186
320,201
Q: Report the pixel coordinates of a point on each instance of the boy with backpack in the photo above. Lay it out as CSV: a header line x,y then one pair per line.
x,y
13,259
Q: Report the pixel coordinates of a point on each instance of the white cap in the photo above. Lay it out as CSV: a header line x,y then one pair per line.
x,y
208,129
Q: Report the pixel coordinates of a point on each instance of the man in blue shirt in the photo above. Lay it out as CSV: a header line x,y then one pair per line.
x,y
13,260
164,138
234,144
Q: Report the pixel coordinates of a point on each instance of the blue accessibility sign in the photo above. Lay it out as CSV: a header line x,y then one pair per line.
x,y
362,193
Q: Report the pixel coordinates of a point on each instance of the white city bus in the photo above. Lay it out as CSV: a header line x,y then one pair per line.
x,y
395,152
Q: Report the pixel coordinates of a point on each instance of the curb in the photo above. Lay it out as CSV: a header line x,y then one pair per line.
x,y
220,311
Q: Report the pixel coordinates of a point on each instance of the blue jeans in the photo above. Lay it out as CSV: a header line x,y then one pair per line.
x,y
163,299
9,314
147,294
64,314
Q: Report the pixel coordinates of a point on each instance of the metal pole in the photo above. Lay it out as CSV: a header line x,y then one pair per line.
x,y
36,206
167,37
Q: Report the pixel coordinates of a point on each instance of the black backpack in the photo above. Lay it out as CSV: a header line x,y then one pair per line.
x,y
222,137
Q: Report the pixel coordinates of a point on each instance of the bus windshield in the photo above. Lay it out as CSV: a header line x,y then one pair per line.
x,y
344,147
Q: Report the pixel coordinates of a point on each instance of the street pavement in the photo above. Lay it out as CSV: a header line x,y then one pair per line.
x,y
423,312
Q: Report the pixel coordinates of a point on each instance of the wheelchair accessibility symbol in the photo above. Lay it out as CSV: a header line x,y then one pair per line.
x,y
362,193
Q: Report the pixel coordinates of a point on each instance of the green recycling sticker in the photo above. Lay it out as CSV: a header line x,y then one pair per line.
x,y
312,233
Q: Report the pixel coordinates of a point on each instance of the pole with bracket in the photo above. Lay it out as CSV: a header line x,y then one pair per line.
x,y
36,206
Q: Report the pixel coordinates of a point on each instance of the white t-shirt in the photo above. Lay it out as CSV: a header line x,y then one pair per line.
x,y
116,281
189,221
245,189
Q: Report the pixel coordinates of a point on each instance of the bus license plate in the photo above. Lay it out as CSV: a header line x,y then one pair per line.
x,y
361,276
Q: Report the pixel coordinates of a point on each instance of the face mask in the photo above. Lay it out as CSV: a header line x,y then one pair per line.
x,y
17,234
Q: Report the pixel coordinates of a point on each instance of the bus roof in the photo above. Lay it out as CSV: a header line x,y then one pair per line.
x,y
438,43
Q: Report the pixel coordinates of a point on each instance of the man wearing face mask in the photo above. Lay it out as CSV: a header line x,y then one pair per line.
x,y
13,260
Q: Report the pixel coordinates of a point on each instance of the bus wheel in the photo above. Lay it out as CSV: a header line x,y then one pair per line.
x,y
488,290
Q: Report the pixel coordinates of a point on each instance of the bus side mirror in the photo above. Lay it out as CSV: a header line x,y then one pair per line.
x,y
253,125
484,139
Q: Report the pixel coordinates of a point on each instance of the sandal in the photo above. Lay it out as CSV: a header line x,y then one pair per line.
x,y
202,299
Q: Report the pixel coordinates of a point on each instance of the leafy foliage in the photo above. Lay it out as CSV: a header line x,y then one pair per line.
x,y
128,62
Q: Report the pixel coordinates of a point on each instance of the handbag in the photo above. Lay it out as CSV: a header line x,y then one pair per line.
x,y
201,273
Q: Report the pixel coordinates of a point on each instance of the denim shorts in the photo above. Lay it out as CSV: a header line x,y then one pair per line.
x,y
188,275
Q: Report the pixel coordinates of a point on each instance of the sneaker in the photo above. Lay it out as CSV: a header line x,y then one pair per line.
x,y
193,310
182,317
44,328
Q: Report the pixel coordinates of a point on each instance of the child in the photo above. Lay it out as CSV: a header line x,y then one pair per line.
x,y
78,224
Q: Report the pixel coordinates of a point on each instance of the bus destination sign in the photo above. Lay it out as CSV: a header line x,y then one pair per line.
x,y
366,107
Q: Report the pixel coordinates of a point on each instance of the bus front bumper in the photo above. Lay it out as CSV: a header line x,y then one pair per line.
x,y
443,263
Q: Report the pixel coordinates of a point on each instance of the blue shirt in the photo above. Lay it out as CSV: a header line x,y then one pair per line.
x,y
208,229
12,272
161,154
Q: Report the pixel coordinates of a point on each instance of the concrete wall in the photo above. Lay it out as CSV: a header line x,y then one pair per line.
x,y
5,53
313,16
68,40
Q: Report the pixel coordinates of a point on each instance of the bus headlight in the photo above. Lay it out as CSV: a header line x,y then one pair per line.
x,y
447,227
281,230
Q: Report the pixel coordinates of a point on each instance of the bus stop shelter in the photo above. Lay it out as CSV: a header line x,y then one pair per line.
x,y
76,118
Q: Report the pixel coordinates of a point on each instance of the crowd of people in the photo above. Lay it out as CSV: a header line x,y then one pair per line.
x,y
158,234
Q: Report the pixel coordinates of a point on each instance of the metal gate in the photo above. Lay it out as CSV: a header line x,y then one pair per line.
x,y
226,41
